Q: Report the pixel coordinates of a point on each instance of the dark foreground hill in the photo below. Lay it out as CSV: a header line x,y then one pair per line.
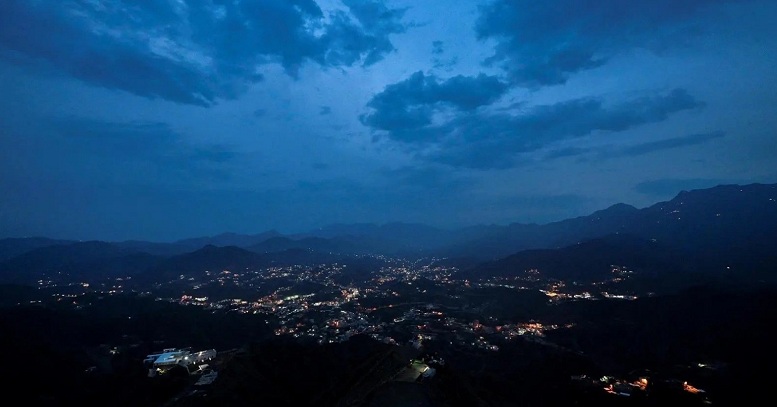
x,y
716,337
281,372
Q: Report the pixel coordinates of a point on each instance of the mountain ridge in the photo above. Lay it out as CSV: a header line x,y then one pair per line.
x,y
728,224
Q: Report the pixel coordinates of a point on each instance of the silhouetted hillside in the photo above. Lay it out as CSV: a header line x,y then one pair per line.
x,y
282,372
339,244
724,219
93,356
228,239
74,261
155,248
730,223
231,258
505,240
208,258
591,260
13,247
392,238
725,228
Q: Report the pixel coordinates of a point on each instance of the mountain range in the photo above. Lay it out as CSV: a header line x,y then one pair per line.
x,y
720,228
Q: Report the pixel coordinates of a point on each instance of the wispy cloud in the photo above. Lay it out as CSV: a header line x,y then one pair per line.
x,y
670,143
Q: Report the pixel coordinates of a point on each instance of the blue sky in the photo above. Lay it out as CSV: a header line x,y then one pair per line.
x,y
165,119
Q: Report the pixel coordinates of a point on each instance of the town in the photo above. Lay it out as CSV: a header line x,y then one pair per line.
x,y
410,304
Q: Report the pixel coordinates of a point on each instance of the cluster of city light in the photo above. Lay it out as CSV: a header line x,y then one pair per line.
x,y
622,387
336,311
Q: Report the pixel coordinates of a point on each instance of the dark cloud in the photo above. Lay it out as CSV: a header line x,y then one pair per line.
x,y
325,110
412,103
482,141
670,143
544,43
437,47
492,140
669,187
195,52
447,64
368,41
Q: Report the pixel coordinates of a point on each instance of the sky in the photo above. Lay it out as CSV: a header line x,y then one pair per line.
x,y
166,119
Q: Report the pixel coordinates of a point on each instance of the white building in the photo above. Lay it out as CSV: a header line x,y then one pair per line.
x,y
169,358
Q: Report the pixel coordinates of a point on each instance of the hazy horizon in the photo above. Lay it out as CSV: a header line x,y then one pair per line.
x,y
292,233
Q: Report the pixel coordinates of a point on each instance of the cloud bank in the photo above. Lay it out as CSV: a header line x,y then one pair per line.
x,y
193,52
544,43
491,140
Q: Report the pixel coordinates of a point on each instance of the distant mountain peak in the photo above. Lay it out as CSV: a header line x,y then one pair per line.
x,y
211,248
228,239
621,207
